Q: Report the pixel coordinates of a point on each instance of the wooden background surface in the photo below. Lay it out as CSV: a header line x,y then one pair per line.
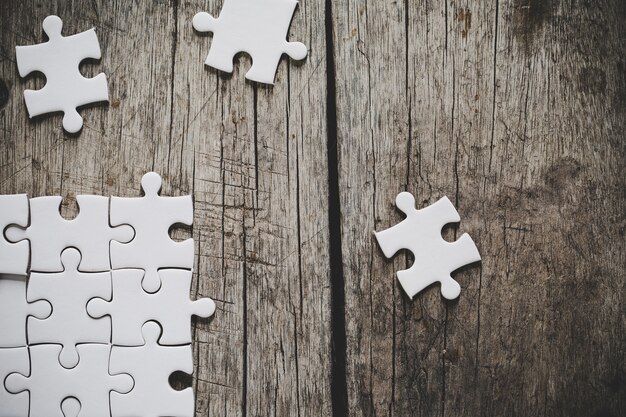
x,y
515,109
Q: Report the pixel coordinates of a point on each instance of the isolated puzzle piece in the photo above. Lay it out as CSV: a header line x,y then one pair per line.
x,y
14,311
131,307
258,28
13,256
49,233
152,216
66,88
13,360
68,292
90,382
435,258
151,366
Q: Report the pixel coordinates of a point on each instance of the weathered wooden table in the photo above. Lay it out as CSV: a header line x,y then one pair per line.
x,y
515,109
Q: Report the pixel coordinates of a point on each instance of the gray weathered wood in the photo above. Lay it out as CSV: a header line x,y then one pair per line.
x,y
514,109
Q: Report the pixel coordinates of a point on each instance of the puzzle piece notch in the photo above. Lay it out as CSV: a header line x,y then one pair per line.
x,y
131,307
242,26
68,292
151,216
13,360
151,366
49,384
13,256
15,311
49,233
435,258
70,407
59,60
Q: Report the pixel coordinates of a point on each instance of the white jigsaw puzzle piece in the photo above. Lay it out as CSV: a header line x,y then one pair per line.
x,y
244,26
90,382
131,307
435,258
49,233
151,366
15,310
13,360
13,256
68,292
152,216
59,59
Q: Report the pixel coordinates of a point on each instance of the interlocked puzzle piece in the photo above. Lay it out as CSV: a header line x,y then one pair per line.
x,y
50,343
68,292
258,28
151,365
49,233
13,256
66,88
152,216
131,307
13,360
435,259
90,382
14,311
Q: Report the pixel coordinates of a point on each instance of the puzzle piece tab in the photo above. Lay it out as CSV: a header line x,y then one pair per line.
x,y
49,383
66,88
49,233
151,366
435,258
13,360
15,310
13,256
68,292
152,216
131,307
258,28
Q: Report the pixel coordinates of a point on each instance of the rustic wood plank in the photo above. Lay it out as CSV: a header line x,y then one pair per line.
x,y
372,138
256,145
500,110
554,190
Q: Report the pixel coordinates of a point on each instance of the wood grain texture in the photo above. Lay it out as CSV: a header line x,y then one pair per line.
x,y
514,109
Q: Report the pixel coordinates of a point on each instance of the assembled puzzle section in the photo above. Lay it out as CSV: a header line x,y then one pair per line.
x,y
59,59
152,216
49,233
258,28
435,258
68,330
49,383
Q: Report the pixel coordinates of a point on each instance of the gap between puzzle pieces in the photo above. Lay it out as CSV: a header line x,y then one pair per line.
x,y
242,26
